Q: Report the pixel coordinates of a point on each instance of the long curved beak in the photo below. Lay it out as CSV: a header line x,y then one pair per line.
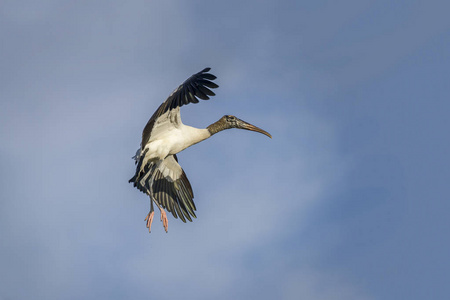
x,y
247,126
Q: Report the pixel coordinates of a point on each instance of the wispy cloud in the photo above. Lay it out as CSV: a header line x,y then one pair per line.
x,y
78,84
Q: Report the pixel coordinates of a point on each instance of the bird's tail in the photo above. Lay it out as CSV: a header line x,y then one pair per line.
x,y
142,172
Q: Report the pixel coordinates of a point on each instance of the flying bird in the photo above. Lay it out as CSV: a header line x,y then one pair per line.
x,y
158,173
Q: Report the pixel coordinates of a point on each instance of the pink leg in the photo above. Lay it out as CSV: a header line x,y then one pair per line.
x,y
164,219
149,220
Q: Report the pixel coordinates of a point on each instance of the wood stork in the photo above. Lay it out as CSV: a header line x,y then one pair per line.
x,y
158,173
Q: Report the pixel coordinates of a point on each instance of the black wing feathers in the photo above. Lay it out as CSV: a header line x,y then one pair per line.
x,y
195,87
177,197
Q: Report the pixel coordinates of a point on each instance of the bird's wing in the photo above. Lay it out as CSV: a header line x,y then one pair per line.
x,y
171,188
195,87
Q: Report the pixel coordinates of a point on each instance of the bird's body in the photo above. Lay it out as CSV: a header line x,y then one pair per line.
x,y
173,136
158,173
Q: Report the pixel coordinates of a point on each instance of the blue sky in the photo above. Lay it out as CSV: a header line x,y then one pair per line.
x,y
349,200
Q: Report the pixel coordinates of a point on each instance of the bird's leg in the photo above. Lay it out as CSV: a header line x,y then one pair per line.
x,y
149,217
163,217
152,199
151,213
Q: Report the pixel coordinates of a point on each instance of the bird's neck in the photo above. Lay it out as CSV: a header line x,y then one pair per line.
x,y
188,136
217,127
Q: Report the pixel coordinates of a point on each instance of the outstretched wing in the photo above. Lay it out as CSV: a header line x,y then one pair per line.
x,y
171,188
195,87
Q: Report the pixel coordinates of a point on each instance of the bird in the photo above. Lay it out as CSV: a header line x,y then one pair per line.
x,y
158,173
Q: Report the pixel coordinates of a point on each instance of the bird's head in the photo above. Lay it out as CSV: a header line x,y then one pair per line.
x,y
233,122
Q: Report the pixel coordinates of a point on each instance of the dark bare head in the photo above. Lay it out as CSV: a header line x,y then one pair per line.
x,y
228,122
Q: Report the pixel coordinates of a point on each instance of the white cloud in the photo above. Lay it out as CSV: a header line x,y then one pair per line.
x,y
70,131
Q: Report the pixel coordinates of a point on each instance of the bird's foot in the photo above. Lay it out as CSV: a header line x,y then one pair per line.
x,y
149,220
164,220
